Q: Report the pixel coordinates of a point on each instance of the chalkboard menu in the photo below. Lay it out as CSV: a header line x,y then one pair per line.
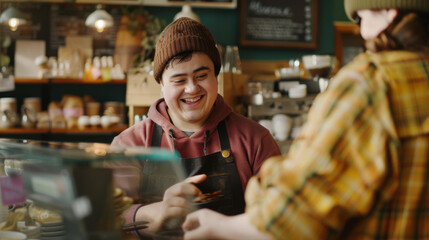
x,y
279,23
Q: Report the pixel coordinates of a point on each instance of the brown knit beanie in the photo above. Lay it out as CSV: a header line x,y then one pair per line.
x,y
180,36
351,6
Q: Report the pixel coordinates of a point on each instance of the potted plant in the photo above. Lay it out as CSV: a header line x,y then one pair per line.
x,y
139,31
136,39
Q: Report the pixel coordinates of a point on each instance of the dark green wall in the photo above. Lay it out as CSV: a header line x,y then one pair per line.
x,y
223,23
225,26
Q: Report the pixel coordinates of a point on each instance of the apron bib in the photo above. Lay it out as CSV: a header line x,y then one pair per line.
x,y
219,167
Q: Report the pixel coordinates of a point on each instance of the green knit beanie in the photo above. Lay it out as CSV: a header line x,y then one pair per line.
x,y
351,6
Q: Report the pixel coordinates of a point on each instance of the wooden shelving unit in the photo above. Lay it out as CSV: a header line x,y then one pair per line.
x,y
73,131
292,107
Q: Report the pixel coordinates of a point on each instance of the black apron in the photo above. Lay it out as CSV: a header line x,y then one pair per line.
x,y
220,170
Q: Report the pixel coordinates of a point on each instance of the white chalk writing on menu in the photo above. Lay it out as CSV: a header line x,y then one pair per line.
x,y
259,8
279,22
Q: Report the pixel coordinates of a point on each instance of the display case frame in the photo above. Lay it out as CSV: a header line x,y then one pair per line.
x,y
76,180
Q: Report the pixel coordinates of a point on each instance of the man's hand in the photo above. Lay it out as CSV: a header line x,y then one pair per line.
x,y
175,205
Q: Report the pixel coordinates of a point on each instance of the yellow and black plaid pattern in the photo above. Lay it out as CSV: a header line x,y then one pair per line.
x,y
359,168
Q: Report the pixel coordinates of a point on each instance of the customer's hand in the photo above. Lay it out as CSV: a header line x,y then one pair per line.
x,y
208,224
203,224
176,204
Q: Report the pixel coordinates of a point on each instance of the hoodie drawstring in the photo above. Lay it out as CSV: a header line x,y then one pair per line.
x,y
172,138
205,142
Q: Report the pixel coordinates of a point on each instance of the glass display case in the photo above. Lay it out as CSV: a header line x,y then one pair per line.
x,y
76,181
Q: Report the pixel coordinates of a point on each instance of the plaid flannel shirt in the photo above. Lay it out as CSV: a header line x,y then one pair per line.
x,y
359,168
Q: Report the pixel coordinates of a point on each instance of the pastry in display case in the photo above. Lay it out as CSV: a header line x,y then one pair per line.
x,y
59,190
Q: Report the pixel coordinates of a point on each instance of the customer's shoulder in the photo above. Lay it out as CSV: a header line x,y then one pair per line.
x,y
386,58
360,63
359,71
360,76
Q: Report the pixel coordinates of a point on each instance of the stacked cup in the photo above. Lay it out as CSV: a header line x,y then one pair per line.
x,y
298,91
282,125
32,232
268,124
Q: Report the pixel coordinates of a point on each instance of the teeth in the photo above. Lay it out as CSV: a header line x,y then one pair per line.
x,y
192,100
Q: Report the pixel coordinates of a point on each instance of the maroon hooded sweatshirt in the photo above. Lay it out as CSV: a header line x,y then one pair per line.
x,y
250,142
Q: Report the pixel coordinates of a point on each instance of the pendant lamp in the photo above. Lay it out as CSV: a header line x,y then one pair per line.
x,y
99,19
13,18
187,12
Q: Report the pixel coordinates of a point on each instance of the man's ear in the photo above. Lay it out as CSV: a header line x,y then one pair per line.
x,y
162,87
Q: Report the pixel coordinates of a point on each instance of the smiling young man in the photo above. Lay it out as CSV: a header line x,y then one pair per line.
x,y
193,119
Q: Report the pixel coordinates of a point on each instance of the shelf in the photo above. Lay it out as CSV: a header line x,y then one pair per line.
x,y
24,131
81,81
232,4
31,80
283,105
309,97
166,3
257,112
155,3
88,130
66,81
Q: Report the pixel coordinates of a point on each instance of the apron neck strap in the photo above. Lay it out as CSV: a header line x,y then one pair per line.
x,y
223,136
156,135
221,129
